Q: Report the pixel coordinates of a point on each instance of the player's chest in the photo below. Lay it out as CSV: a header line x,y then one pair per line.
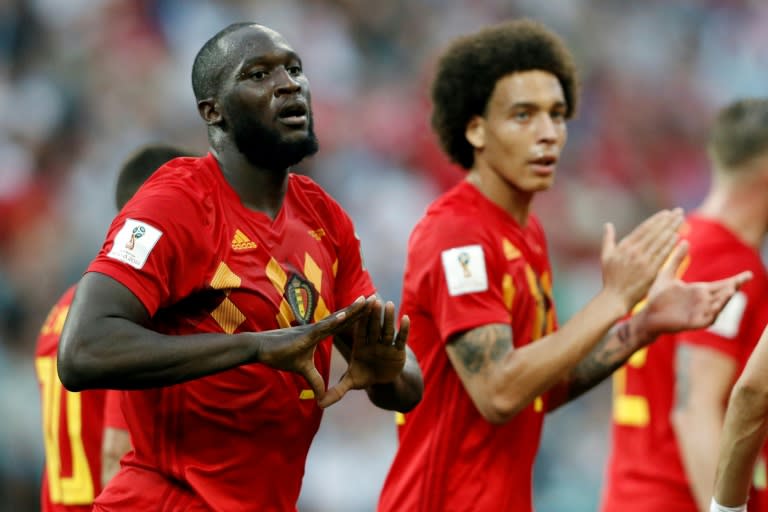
x,y
284,273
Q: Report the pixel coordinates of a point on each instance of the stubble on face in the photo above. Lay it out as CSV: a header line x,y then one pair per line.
x,y
264,146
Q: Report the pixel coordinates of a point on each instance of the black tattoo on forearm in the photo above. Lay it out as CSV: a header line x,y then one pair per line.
x,y
478,346
609,355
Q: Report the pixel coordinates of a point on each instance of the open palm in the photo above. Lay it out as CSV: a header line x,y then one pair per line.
x,y
674,305
378,353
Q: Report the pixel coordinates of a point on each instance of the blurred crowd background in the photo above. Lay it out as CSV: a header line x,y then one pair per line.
x,y
84,82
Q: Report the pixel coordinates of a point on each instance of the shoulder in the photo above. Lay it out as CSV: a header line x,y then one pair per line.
x,y
180,192
451,219
309,189
313,200
187,177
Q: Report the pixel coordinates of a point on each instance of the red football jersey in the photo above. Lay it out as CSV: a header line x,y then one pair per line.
x,y
113,411
72,426
200,261
645,471
469,264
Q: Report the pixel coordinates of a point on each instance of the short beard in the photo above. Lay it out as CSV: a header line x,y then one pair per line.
x,y
266,148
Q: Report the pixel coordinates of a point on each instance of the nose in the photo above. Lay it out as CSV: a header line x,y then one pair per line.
x,y
286,83
547,129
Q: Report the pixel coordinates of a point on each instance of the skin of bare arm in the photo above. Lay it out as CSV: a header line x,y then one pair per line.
x,y
380,361
745,429
104,344
502,380
703,382
672,305
115,444
505,380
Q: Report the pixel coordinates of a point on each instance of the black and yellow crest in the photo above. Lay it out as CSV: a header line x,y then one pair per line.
x,y
302,298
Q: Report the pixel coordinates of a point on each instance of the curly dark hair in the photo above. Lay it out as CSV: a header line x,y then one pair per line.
x,y
469,68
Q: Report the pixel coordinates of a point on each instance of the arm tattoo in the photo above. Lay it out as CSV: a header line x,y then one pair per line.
x,y
682,375
609,355
477,347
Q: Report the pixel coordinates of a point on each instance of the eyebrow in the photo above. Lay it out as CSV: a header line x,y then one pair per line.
x,y
284,55
534,105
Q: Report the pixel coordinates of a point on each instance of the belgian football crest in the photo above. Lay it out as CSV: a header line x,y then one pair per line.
x,y
302,298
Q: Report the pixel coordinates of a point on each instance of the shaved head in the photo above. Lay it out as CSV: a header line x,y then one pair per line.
x,y
211,61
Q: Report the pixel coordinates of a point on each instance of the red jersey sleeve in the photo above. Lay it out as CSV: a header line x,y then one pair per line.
x,y
150,246
463,278
352,279
113,411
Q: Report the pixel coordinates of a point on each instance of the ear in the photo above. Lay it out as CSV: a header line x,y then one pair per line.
x,y
209,111
475,132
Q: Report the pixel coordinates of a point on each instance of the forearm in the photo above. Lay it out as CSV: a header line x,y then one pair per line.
x,y
609,355
535,368
693,433
120,354
402,394
744,432
115,444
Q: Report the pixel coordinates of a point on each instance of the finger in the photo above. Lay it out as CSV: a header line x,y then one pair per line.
x,y
360,332
338,321
741,278
374,323
315,381
730,285
402,334
675,260
336,393
388,330
355,309
660,249
609,241
653,233
662,240
647,228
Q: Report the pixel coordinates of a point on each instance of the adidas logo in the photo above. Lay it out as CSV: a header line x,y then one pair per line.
x,y
241,242
317,234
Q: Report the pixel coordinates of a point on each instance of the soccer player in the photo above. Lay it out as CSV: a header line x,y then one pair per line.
x,y
84,433
478,283
212,298
670,398
744,434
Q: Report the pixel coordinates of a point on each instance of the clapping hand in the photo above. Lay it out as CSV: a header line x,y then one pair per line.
x,y
630,266
377,354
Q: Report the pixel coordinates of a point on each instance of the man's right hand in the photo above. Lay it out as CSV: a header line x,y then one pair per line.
x,y
293,349
630,267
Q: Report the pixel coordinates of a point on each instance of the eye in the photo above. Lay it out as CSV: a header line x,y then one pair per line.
x,y
294,70
558,115
258,74
521,115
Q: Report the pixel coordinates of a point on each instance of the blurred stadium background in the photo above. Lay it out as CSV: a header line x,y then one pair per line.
x,y
84,82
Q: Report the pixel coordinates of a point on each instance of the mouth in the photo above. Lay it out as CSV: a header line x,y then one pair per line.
x,y
293,114
544,164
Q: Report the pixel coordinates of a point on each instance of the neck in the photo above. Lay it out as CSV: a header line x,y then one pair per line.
x,y
743,210
515,202
259,189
